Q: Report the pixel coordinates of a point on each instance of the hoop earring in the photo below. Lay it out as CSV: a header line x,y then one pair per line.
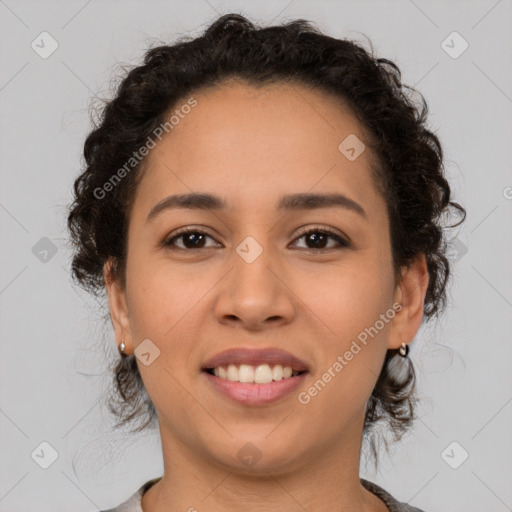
x,y
404,349
122,348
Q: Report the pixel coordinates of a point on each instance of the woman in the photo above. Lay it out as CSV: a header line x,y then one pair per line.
x,y
262,207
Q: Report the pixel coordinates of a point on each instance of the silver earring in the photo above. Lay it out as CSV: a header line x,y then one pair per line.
x,y
404,349
122,347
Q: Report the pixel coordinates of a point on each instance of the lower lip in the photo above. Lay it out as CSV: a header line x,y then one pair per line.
x,y
255,394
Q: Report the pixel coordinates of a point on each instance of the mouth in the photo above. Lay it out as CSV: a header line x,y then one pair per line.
x,y
259,366
255,376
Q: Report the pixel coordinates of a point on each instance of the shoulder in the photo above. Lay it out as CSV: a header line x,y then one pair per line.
x,y
392,503
133,503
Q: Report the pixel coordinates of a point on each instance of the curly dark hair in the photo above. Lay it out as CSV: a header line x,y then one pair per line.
x,y
409,174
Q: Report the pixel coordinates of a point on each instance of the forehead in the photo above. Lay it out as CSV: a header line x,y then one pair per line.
x,y
252,145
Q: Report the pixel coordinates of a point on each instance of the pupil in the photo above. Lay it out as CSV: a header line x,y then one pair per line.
x,y
195,238
316,237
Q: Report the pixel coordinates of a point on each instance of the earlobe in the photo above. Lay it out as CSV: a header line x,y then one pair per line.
x,y
118,308
410,293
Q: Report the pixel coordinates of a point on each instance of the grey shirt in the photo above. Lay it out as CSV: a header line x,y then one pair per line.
x,y
133,503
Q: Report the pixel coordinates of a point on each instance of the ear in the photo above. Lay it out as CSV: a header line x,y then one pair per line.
x,y
410,293
118,308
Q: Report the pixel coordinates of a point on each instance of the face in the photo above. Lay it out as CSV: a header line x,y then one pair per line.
x,y
253,278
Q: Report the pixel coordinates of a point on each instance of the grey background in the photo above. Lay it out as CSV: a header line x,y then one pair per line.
x,y
52,364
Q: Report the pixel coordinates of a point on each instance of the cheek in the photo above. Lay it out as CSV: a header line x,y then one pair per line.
x,y
347,297
347,302
160,297
165,302
162,306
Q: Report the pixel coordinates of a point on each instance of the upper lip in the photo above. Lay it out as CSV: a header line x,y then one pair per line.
x,y
271,356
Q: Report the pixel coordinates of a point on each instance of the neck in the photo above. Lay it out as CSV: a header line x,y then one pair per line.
x,y
326,480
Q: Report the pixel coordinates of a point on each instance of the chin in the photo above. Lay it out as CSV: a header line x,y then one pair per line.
x,y
256,456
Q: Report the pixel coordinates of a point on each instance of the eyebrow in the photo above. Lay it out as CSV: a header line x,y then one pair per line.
x,y
291,202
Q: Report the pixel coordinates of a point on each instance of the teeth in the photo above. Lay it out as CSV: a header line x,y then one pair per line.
x,y
262,374
277,372
245,373
232,373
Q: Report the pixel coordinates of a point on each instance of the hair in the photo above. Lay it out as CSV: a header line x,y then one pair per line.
x,y
409,174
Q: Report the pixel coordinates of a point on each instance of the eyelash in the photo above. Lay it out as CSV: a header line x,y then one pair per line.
x,y
169,243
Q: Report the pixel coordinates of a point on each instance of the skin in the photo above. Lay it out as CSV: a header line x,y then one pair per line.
x,y
251,146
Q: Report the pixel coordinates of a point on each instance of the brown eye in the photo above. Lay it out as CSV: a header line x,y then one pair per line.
x,y
191,239
317,239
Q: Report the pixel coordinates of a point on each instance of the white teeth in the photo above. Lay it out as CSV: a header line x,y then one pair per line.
x,y
277,372
246,373
261,374
232,373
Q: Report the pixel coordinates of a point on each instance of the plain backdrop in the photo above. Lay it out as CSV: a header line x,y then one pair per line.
x,y
458,457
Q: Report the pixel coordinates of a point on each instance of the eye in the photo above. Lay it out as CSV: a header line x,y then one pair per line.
x,y
195,238
321,238
192,238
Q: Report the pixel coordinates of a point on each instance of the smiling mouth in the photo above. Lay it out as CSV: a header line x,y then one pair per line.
x,y
254,374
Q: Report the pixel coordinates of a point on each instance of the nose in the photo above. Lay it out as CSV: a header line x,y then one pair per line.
x,y
255,294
